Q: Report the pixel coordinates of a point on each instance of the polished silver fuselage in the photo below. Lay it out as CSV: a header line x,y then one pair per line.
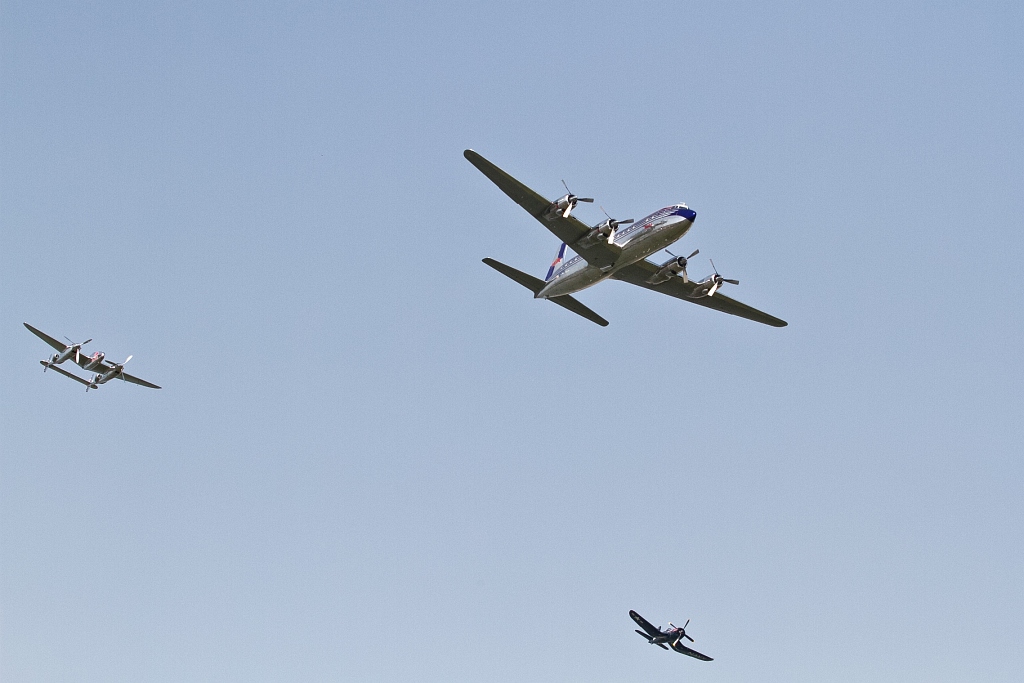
x,y
637,242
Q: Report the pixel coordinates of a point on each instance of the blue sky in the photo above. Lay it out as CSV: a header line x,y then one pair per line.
x,y
376,459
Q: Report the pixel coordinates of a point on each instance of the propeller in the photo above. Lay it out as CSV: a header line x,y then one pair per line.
x,y
120,367
573,200
682,632
613,225
718,279
681,260
77,347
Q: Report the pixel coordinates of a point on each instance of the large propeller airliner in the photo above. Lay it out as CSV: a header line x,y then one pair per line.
x,y
609,250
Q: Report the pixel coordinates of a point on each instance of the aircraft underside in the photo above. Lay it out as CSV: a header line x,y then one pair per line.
x,y
573,280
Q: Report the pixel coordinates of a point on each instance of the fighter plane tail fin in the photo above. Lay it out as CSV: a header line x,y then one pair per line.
x,y
535,284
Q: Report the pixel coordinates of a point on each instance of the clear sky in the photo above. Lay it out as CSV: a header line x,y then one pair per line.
x,y
376,459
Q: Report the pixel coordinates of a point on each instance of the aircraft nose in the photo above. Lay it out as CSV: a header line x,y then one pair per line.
x,y
688,214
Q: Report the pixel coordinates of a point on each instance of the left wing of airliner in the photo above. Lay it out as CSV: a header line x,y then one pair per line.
x,y
568,229
640,272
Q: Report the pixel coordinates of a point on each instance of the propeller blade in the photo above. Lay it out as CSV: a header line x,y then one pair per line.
x,y
686,278
686,624
713,267
588,200
566,187
76,356
689,638
714,288
732,282
695,252
568,209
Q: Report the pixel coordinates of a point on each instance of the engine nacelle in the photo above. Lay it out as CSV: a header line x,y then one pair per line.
x,y
561,207
668,270
599,233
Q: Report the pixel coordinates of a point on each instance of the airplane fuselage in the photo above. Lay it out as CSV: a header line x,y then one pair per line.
x,y
638,241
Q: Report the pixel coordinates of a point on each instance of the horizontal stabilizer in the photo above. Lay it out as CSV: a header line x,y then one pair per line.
x,y
535,284
570,304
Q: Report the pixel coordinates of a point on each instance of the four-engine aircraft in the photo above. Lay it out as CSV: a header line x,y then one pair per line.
x,y
607,250
672,637
104,370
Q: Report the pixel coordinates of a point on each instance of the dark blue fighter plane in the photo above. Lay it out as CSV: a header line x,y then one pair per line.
x,y
669,638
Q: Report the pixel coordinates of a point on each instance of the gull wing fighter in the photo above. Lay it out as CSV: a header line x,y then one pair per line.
x,y
104,369
611,250
671,637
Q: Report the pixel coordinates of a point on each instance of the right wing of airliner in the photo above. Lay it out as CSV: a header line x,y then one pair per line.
x,y
638,273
